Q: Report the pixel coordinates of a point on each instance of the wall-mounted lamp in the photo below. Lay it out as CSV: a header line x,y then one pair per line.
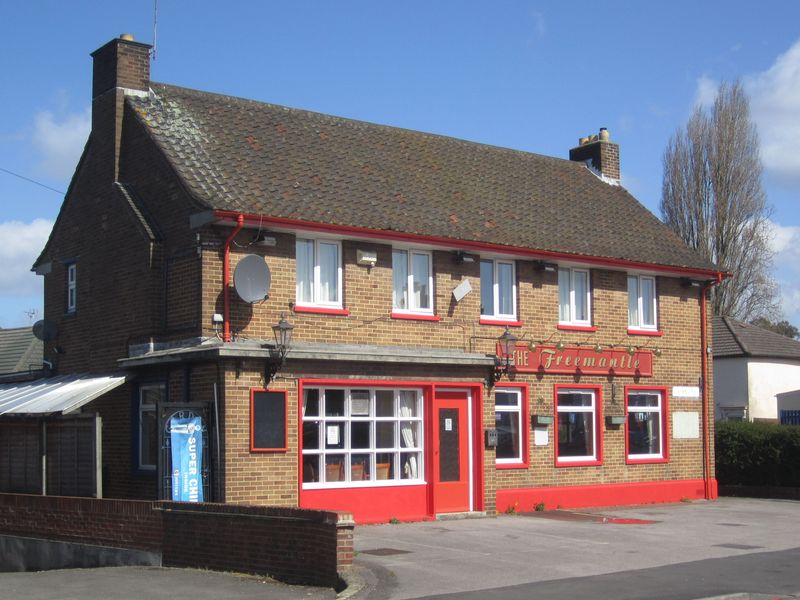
x,y
690,283
462,257
631,350
657,351
366,258
560,346
283,339
508,344
546,266
598,348
532,346
265,240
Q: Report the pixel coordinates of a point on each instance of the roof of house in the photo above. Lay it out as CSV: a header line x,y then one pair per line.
x,y
261,159
731,338
19,350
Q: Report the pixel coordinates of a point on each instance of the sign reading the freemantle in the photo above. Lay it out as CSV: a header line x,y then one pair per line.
x,y
578,360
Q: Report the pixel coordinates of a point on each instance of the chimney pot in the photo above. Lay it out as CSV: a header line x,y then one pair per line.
x,y
128,37
600,151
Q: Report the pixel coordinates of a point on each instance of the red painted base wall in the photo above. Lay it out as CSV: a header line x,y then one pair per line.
x,y
372,505
584,496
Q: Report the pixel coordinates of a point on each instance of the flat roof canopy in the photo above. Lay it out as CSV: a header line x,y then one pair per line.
x,y
64,394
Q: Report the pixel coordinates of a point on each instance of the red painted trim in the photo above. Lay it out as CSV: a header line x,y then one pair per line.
x,y
226,280
500,322
645,332
589,328
710,483
525,426
630,460
415,317
372,504
318,310
612,494
463,244
285,447
598,428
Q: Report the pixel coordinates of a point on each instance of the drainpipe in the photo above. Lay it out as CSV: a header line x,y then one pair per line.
x,y
226,281
704,371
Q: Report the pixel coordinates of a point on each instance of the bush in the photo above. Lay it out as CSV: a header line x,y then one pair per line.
x,y
760,454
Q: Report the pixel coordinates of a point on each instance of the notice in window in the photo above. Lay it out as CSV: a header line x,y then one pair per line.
x,y
448,424
333,435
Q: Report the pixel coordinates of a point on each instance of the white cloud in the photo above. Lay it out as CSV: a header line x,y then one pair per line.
x,y
785,243
60,141
706,91
22,243
775,104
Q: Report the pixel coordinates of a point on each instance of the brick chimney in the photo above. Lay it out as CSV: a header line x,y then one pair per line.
x,y
600,151
121,67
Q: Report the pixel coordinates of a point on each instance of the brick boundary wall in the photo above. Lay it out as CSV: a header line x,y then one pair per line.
x,y
293,545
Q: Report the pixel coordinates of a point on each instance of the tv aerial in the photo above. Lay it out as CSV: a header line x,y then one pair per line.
x,y
45,330
252,279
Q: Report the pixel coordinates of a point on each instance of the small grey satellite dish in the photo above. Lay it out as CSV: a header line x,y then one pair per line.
x,y
252,278
45,330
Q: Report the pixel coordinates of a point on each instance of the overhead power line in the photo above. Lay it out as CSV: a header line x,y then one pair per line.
x,y
28,179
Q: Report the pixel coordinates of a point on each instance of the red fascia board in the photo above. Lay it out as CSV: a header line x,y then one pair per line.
x,y
226,215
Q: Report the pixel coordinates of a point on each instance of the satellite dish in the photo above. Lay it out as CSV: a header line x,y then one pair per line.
x,y
45,330
252,278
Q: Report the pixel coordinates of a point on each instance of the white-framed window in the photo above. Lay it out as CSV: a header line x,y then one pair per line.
x,y
319,273
498,290
72,287
578,429
646,425
150,395
574,297
642,305
509,425
412,281
362,437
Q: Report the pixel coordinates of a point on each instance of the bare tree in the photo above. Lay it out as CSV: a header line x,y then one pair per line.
x,y
713,199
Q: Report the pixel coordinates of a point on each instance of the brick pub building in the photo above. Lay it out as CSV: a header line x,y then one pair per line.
x,y
473,328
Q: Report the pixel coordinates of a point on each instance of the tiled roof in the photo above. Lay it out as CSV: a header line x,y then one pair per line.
x,y
735,338
262,159
19,350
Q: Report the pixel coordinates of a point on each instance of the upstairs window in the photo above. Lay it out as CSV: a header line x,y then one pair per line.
x,y
642,302
319,273
72,287
574,307
412,289
498,290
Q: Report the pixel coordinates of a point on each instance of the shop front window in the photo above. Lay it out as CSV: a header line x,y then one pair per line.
x,y
509,425
362,437
645,426
578,426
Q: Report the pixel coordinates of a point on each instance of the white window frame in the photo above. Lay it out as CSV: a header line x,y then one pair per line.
x,y
398,451
409,295
315,283
505,408
659,410
147,407
72,287
594,457
640,325
495,314
571,275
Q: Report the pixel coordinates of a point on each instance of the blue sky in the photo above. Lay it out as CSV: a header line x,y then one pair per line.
x,y
532,75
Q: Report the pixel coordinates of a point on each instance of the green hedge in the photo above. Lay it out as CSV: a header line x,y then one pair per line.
x,y
763,454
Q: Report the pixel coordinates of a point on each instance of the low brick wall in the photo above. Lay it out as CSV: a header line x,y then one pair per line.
x,y
293,545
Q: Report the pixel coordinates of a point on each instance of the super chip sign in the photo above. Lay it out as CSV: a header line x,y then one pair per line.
x,y
186,435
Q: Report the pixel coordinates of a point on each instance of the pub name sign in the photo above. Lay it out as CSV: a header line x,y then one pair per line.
x,y
574,360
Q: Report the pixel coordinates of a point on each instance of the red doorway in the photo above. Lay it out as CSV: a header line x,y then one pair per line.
x,y
451,452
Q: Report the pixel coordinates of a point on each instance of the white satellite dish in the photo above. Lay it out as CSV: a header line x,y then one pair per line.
x,y
252,278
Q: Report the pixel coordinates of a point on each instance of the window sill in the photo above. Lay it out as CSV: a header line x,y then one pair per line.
x,y
645,461
509,466
500,322
580,463
320,310
566,327
415,317
650,332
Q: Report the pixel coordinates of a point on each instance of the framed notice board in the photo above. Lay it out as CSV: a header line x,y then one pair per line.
x,y
268,421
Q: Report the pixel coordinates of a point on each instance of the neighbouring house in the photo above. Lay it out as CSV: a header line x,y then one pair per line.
x,y
756,372
20,353
472,328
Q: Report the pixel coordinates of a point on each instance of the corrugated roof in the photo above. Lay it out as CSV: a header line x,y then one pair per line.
x,y
735,338
62,394
19,350
262,159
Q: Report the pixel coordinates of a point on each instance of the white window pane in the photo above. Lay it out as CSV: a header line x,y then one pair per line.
x,y
487,287
328,272
563,295
399,279
505,284
633,301
420,269
305,270
581,282
648,290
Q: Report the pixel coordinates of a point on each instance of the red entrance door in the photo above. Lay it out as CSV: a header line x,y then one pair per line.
x,y
451,477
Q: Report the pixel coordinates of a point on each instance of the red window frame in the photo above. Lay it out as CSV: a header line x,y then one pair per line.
x,y
664,425
524,389
598,427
